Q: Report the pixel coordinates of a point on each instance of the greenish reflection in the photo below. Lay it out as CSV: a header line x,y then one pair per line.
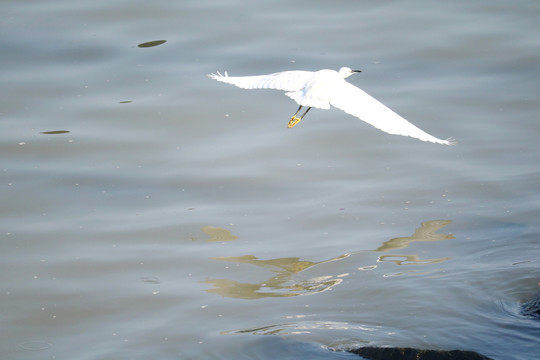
x,y
218,234
281,284
426,232
286,280
410,259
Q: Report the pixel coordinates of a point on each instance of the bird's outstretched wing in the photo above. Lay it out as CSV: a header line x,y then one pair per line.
x,y
356,102
286,80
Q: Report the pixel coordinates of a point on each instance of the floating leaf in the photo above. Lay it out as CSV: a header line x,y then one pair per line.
x,y
152,43
55,132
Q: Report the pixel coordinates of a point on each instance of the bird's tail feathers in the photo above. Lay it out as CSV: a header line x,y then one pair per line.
x,y
450,141
217,76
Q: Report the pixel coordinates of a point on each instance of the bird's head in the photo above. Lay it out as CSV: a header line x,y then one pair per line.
x,y
346,72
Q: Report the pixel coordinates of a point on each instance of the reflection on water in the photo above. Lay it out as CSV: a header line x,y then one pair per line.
x,y
302,327
218,234
281,284
426,232
410,259
285,280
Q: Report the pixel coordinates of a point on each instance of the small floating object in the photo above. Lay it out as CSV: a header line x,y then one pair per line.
x,y
55,132
125,102
151,43
150,279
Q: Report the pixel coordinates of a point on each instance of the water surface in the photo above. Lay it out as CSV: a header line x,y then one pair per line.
x,y
148,211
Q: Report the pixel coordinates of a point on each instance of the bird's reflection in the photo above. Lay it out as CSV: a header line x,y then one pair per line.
x,y
286,279
426,232
281,284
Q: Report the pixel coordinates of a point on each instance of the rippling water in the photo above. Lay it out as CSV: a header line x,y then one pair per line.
x,y
148,211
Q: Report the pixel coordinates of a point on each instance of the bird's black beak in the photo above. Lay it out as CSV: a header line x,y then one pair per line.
x,y
355,71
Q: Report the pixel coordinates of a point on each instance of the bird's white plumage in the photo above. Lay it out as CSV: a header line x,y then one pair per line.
x,y
323,88
286,80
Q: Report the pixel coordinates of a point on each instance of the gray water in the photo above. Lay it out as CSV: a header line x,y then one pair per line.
x,y
150,212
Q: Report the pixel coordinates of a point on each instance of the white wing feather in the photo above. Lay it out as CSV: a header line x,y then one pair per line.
x,y
342,95
356,102
286,80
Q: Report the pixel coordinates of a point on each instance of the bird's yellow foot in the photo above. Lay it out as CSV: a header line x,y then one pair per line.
x,y
294,120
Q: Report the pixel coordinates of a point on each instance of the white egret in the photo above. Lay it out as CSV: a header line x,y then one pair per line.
x,y
320,89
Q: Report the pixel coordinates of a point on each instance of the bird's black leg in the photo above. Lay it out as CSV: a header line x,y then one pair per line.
x,y
305,112
295,120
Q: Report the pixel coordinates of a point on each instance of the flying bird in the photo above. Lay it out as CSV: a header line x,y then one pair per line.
x,y
320,89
